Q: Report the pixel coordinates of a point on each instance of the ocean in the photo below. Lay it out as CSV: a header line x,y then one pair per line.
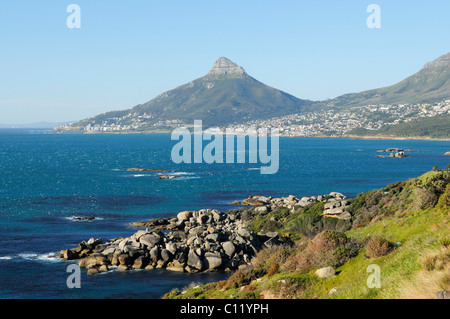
x,y
48,180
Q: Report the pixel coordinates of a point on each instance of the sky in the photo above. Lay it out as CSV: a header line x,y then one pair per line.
x,y
128,52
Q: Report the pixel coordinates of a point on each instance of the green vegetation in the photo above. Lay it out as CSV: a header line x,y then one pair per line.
x,y
403,228
433,127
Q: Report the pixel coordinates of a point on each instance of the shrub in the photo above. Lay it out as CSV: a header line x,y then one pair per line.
x,y
329,248
272,255
221,284
378,247
244,276
273,270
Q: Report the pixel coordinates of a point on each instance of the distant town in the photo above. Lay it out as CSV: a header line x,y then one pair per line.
x,y
328,122
338,123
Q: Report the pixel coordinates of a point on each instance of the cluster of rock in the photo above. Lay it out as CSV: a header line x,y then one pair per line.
x,y
394,152
194,241
336,207
336,203
168,176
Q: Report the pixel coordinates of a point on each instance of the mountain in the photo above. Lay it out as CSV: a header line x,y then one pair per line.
x,y
226,94
431,84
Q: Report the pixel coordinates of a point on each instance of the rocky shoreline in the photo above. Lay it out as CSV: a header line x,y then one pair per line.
x,y
195,241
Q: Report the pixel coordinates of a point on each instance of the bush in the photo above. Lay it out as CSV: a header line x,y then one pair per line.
x,y
272,255
244,276
329,248
273,270
378,247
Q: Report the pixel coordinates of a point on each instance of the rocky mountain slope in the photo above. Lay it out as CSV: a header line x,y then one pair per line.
x,y
430,84
227,94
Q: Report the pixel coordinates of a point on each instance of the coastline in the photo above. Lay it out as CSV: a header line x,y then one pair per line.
x,y
387,137
198,241
353,137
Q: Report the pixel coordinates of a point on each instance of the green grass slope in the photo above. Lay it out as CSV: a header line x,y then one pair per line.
x,y
429,127
403,228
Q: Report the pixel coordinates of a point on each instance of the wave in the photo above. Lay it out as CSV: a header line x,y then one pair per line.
x,y
186,178
82,218
6,258
47,257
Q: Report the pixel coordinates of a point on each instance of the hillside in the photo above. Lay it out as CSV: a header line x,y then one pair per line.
x,y
429,127
430,84
402,228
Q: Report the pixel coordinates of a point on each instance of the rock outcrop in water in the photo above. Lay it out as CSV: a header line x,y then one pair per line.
x,y
195,241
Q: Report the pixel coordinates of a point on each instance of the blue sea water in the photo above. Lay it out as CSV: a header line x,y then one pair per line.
x,y
46,180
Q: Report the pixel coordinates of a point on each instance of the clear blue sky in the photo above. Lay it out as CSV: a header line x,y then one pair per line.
x,y
127,52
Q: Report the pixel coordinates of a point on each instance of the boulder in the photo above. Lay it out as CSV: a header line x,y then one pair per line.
x,y
262,199
171,247
69,254
88,262
150,240
338,195
261,209
203,219
197,231
122,267
103,268
244,232
325,272
252,202
182,216
213,260
154,253
92,271
109,250
165,255
334,211
272,234
194,260
175,266
125,259
213,237
140,263
229,248
94,242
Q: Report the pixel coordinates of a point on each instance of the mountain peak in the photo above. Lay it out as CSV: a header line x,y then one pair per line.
x,y
442,61
225,66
